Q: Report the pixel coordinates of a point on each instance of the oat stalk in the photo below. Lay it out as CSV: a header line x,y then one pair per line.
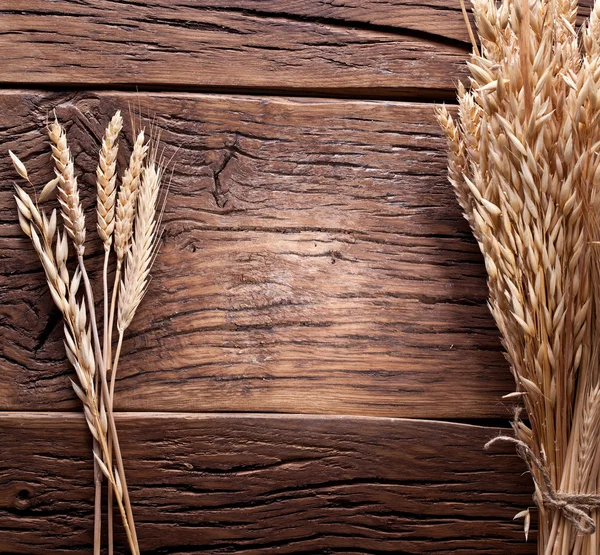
x,y
523,159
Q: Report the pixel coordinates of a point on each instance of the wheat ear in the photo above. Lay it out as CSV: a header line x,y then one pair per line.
x,y
141,254
125,214
106,187
106,180
127,197
68,192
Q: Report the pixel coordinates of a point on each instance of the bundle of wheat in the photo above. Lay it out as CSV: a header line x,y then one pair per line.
x,y
524,161
129,221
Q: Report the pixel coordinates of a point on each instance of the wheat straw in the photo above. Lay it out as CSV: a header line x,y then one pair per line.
x,y
125,214
106,187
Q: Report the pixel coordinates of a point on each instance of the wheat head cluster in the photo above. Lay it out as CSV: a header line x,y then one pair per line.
x,y
128,214
524,161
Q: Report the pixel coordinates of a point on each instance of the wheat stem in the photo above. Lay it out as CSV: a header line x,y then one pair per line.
x,y
109,412
112,380
116,362
97,508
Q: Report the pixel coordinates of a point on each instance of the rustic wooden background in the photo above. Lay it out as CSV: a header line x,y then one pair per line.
x,y
315,369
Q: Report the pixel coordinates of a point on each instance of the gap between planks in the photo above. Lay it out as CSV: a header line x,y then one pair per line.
x,y
135,415
413,96
416,96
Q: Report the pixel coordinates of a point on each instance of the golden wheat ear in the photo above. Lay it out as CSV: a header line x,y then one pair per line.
x,y
106,181
68,191
127,197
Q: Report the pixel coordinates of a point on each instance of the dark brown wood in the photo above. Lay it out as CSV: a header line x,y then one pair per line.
x,y
267,484
371,48
314,261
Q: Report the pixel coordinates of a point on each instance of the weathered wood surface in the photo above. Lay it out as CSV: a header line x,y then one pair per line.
x,y
267,484
372,48
314,261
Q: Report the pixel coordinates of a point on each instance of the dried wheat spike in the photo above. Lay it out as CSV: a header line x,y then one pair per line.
x,y
63,289
143,247
127,197
106,181
68,192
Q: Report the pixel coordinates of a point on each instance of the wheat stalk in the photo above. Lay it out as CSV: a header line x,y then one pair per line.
x,y
78,341
33,224
140,257
106,187
523,160
125,213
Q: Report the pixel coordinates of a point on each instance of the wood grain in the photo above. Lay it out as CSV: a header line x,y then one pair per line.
x,y
371,48
267,484
314,261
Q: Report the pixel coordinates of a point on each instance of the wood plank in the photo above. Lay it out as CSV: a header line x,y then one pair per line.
x,y
357,47
315,261
388,47
267,484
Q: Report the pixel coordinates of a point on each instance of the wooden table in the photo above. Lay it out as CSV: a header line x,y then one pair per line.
x,y
314,369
